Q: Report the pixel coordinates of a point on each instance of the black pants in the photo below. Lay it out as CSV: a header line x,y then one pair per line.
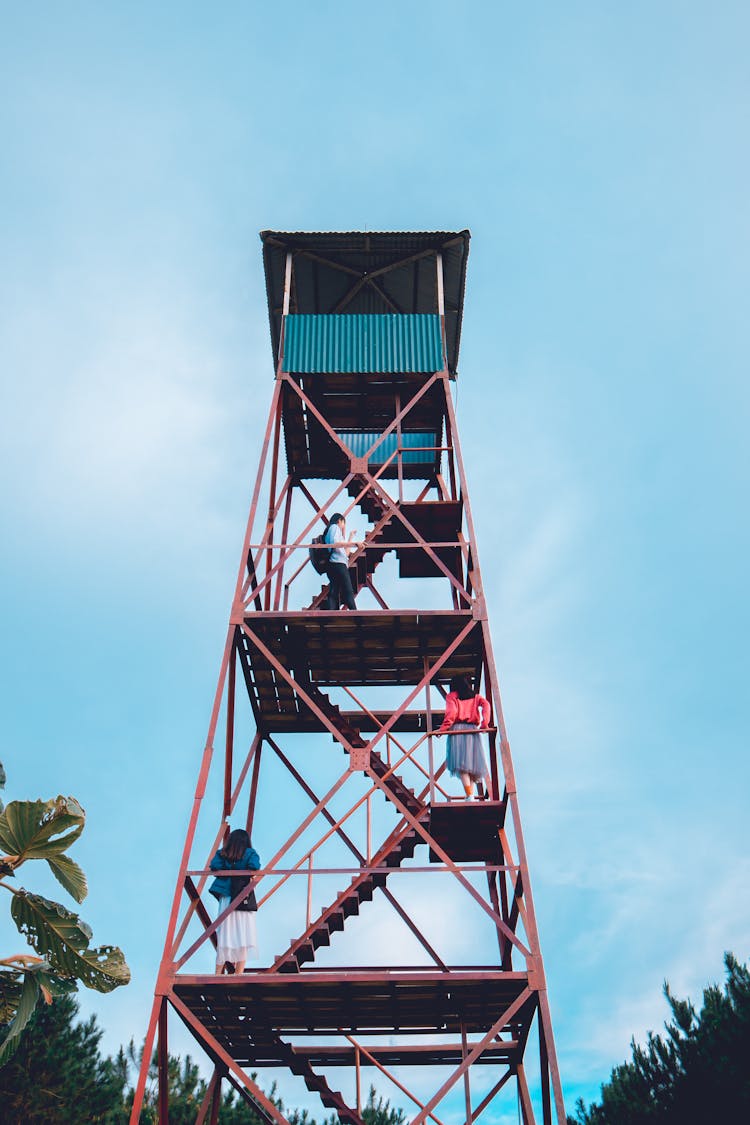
x,y
340,590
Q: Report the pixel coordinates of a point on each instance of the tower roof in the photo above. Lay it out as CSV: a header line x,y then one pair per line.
x,y
367,272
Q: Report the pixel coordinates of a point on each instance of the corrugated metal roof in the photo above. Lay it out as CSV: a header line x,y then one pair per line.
x,y
362,343
367,272
418,449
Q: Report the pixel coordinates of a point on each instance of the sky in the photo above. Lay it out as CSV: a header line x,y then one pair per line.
x,y
599,155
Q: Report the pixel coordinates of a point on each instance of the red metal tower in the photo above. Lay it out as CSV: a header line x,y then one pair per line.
x,y
365,331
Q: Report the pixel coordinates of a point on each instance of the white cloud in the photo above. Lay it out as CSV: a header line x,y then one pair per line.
x,y
119,427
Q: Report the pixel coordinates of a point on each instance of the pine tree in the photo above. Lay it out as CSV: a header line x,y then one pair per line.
x,y
57,1075
696,1074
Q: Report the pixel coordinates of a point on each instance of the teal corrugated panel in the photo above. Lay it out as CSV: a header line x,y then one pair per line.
x,y
418,449
360,342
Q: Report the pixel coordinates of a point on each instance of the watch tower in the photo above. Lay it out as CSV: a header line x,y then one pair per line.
x,y
414,951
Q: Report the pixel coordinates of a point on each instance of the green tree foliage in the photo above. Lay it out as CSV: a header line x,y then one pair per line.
x,y
57,1075
697,1073
187,1090
62,956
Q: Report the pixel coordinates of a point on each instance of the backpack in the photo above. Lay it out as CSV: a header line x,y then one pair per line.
x,y
238,883
320,554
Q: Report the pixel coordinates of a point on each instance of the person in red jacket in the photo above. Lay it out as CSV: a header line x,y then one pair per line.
x,y
465,712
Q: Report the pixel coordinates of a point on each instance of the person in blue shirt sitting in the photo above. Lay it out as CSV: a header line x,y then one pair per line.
x,y
236,937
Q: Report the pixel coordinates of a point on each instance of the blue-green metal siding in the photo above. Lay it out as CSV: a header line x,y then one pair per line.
x,y
340,343
416,447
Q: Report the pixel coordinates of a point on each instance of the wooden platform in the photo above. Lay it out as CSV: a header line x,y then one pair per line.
x,y
322,648
323,1003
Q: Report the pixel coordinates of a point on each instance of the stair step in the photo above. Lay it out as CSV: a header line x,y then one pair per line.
x,y
336,921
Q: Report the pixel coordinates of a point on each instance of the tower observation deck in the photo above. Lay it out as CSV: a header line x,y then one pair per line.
x,y
414,953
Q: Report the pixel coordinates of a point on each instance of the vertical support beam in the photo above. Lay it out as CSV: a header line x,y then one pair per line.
x,y
308,916
430,742
216,1103
492,737
452,463
544,1069
209,1099
369,827
399,455
254,786
163,1064
287,282
467,1084
275,406
271,521
527,1110
228,759
441,305
284,535
285,311
359,1080
492,888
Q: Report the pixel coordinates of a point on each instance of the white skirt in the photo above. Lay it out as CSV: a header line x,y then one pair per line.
x,y
236,936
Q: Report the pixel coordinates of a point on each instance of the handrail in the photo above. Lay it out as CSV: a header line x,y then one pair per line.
x,y
366,868
294,546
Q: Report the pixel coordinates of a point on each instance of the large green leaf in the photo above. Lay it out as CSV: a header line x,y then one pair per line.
x,y
40,829
63,939
67,872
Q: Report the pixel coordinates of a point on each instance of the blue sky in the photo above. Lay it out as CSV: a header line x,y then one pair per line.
x,y
599,155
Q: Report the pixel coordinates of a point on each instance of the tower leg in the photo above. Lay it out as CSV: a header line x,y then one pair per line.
x,y
163,1064
148,1046
210,1099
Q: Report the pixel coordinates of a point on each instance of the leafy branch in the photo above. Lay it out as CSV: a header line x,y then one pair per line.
x,y
44,830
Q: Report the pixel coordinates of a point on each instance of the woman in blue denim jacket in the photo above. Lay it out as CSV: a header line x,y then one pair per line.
x,y
236,938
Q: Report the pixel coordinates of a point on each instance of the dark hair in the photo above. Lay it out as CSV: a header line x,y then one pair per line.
x,y
335,518
236,845
461,686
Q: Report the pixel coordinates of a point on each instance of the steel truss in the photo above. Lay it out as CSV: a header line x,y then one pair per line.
x,y
387,668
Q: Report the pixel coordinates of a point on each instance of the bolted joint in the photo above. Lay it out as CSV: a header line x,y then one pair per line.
x,y
239,613
535,973
479,608
359,757
358,466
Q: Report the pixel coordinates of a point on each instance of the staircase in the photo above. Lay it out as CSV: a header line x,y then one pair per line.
x,y
369,556
331,1099
400,845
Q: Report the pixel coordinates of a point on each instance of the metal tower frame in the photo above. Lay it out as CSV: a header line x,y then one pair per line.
x,y
365,330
